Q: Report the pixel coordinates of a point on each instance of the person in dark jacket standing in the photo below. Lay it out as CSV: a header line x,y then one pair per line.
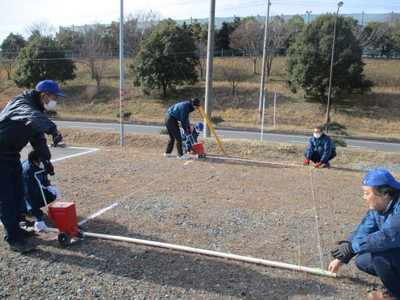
x,y
179,112
36,186
376,240
320,150
23,121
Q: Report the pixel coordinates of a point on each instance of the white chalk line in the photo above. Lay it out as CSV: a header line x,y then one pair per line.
x,y
103,210
254,161
89,150
316,220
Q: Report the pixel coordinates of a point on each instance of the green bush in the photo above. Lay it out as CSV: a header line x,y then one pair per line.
x,y
164,131
339,142
127,115
335,127
217,119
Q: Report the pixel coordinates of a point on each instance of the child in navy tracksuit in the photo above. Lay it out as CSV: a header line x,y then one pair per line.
x,y
195,130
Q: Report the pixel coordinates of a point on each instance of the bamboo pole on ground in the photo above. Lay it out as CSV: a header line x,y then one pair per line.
x,y
248,259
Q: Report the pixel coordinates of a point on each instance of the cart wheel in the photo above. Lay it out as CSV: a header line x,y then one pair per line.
x,y
202,155
79,235
64,239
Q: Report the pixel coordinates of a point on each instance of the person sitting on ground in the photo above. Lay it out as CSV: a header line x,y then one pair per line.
x,y
195,133
33,190
179,112
320,150
376,240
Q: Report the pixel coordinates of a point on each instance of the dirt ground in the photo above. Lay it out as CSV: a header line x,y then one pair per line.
x,y
278,212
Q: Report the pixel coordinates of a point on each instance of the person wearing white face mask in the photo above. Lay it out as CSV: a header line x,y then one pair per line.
x,y
320,150
22,121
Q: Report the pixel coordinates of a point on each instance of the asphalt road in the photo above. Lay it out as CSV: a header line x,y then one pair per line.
x,y
234,134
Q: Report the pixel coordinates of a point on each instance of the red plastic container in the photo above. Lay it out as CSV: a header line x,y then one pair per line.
x,y
64,216
199,149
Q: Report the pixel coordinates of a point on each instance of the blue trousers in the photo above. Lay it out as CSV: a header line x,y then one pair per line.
x,y
11,197
385,265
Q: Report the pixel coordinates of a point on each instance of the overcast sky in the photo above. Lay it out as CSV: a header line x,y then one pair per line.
x,y
17,15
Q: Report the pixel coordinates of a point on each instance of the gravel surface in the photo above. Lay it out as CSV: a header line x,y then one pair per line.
x,y
282,213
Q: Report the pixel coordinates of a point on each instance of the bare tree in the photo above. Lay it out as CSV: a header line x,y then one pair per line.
x,y
201,51
43,28
277,38
232,71
248,38
95,51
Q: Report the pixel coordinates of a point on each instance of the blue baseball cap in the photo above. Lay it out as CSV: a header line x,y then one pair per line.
x,y
49,86
380,177
200,126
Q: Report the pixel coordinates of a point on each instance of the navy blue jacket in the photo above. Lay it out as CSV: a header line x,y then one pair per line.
x,y
378,231
23,121
324,146
32,193
181,111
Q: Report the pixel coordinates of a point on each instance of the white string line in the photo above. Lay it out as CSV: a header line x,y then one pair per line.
x,y
316,220
103,210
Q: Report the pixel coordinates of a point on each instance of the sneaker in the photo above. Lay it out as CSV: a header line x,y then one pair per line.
x,y
379,295
183,156
169,155
326,165
22,246
27,233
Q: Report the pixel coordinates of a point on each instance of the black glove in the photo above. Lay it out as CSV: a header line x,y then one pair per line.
x,y
48,167
343,250
57,138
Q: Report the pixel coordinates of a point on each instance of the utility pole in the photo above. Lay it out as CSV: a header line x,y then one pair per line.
x,y
264,62
121,76
328,105
308,15
209,74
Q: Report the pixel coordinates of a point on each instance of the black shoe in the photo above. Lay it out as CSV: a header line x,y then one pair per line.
x,y
26,223
27,233
326,165
22,246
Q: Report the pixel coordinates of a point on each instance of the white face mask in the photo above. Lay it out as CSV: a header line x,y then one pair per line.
x,y
50,105
317,135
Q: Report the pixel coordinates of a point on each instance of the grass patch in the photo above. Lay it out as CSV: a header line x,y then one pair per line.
x,y
373,115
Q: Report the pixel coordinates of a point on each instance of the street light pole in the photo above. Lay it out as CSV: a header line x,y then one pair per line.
x,y
264,58
328,107
308,15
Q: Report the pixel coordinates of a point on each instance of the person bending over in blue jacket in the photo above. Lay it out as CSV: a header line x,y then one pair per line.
x,y
376,240
320,150
21,122
179,112
195,130
33,189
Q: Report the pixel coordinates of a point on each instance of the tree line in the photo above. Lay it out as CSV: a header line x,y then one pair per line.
x,y
165,54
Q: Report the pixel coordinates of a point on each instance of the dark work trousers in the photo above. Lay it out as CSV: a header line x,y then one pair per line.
x,y
11,197
174,134
315,157
385,265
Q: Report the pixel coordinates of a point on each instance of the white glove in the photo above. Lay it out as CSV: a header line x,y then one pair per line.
x,y
40,226
53,190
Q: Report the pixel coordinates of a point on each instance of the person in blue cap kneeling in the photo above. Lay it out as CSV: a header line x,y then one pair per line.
x,y
23,121
376,240
195,131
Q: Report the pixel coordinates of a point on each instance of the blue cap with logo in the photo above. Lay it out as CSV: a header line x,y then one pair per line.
x,y
49,86
380,177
